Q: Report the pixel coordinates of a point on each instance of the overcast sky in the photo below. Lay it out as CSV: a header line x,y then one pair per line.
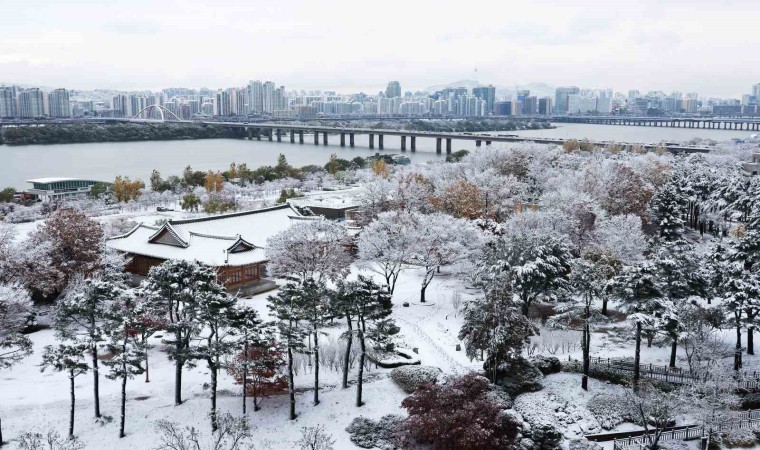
x,y
708,46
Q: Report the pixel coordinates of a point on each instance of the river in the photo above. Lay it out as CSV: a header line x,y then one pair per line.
x,y
104,161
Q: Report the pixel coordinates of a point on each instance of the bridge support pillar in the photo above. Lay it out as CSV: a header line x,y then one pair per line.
x,y
448,146
316,138
343,139
371,141
478,143
258,134
413,143
249,133
403,143
292,137
351,140
279,135
269,134
438,145
300,136
380,141
488,143
324,138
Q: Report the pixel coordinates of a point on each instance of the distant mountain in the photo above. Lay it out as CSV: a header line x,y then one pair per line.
x,y
537,89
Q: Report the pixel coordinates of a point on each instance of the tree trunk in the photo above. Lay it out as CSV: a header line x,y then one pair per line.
x,y
673,350
123,400
1,432
245,374
637,359
73,399
604,305
316,365
147,367
212,366
422,293
291,386
360,375
586,350
178,382
525,308
96,380
738,350
751,340
347,357
650,339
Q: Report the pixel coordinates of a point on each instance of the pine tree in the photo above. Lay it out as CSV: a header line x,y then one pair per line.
x,y
667,209
122,330
287,307
314,310
70,359
219,322
172,290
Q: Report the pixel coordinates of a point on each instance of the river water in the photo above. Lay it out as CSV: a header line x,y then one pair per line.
x,y
104,161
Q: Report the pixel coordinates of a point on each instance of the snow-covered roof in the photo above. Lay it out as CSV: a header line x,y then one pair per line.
x,y
233,239
54,180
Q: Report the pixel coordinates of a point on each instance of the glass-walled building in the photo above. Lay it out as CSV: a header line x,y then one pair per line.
x,y
49,189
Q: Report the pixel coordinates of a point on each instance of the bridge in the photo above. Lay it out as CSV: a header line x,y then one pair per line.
x,y
408,138
711,123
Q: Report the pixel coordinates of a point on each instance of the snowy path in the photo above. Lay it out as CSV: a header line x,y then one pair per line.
x,y
453,366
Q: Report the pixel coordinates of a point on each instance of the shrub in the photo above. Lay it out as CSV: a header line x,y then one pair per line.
x,y
516,376
367,433
547,364
476,423
409,378
609,411
584,444
545,436
739,438
751,401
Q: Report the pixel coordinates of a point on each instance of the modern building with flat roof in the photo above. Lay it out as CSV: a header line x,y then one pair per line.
x,y
59,188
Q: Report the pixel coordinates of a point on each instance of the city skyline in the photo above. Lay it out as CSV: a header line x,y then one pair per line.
x,y
139,45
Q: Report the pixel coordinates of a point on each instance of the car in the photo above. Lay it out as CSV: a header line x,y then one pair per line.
x,y
163,209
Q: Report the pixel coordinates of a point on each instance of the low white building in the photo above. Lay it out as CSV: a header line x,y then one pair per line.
x,y
59,188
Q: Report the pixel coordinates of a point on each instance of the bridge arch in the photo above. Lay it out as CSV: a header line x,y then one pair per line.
x,y
161,110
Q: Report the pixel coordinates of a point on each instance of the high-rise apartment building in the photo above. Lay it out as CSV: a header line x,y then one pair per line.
x,y
268,97
561,98
31,103
487,94
120,105
223,104
8,102
545,106
393,89
255,97
59,103
530,105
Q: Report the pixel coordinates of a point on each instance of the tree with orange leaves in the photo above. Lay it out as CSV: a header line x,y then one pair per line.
x,y
214,181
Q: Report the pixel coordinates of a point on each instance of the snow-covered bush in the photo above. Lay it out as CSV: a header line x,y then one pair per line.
x,y
743,437
547,364
368,433
545,436
517,376
584,444
609,410
409,378
673,445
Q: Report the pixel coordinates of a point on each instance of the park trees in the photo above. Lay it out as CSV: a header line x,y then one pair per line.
x,y
68,358
385,245
314,249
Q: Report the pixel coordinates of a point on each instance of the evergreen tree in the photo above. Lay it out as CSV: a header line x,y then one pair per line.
x,y
667,209
67,358
125,344
172,291
314,310
287,307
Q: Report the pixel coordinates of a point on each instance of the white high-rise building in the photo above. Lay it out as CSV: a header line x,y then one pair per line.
x,y
255,96
8,102
59,103
31,103
268,100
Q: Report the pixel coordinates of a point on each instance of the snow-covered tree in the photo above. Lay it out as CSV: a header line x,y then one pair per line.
x,y
654,409
258,367
440,240
76,243
172,291
385,244
667,209
80,316
67,358
532,265
287,308
121,329
15,312
233,434
315,438
315,249
620,236
219,322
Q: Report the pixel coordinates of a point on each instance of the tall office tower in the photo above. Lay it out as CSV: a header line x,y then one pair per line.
x,y
522,95
8,102
545,106
268,97
223,104
31,103
561,98
280,100
59,103
232,94
487,94
136,104
242,102
120,106
530,106
255,96
393,89
756,90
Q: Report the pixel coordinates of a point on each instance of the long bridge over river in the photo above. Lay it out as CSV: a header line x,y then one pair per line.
x,y
408,138
321,134
710,123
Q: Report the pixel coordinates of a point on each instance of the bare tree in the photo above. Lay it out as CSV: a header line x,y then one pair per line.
x,y
315,438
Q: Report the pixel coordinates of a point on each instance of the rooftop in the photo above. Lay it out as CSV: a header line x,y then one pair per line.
x,y
55,180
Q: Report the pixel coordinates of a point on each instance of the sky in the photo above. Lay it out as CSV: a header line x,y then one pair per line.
x,y
707,46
